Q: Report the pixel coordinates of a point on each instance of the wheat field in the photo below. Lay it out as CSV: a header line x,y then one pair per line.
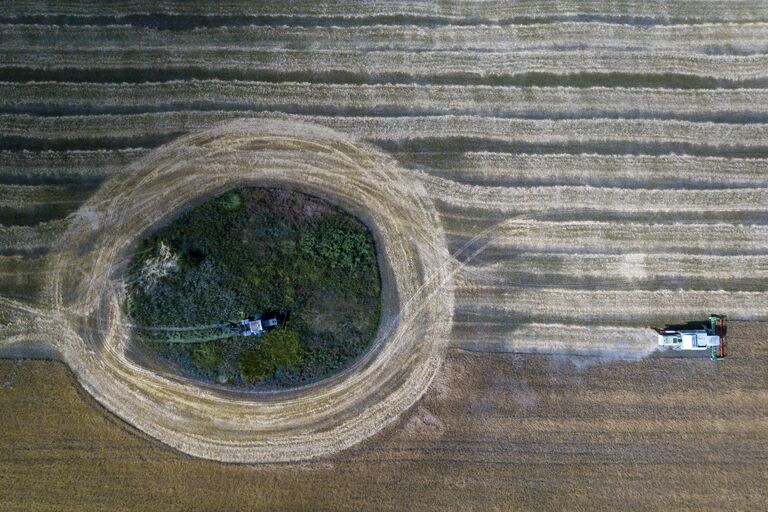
x,y
545,178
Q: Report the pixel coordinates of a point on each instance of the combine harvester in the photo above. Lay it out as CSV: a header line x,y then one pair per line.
x,y
696,336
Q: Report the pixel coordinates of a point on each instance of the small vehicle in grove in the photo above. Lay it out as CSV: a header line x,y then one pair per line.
x,y
255,325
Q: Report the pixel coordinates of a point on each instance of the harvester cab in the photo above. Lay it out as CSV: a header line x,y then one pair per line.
x,y
256,326
694,336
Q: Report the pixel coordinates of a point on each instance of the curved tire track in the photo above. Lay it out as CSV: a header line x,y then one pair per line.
x,y
223,424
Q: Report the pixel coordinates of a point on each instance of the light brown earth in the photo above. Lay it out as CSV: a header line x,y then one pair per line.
x,y
493,432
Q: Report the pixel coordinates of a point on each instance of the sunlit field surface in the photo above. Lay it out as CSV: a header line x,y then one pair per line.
x,y
543,180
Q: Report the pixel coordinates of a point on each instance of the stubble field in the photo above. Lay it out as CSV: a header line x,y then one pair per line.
x,y
544,181
493,432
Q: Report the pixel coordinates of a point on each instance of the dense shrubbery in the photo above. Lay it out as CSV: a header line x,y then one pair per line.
x,y
331,243
279,349
256,251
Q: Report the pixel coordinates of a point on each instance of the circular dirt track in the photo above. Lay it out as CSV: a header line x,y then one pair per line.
x,y
92,332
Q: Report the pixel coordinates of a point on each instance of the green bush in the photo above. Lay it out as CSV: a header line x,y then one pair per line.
x,y
338,244
231,200
208,356
279,349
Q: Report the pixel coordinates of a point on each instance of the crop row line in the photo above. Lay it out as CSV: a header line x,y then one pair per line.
x,y
400,99
699,38
512,200
406,128
474,9
600,305
420,65
523,234
489,168
630,267
479,168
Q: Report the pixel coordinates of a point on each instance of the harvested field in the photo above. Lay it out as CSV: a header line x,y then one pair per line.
x,y
542,179
539,432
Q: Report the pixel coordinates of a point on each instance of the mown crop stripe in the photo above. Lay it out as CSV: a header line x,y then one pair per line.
x,y
419,64
528,235
630,278
583,80
493,168
725,38
629,266
401,99
488,10
414,128
635,305
30,239
516,200
60,167
609,282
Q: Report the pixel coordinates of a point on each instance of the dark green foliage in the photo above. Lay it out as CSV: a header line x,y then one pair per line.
x,y
333,242
254,251
208,356
279,349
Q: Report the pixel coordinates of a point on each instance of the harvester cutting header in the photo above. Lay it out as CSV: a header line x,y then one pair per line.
x,y
707,335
